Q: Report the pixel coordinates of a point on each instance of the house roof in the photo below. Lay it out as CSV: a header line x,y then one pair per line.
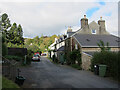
x,y
70,33
91,40
89,53
61,48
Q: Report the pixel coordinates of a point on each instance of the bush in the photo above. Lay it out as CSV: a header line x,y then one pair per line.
x,y
12,57
29,57
67,58
111,59
75,55
4,49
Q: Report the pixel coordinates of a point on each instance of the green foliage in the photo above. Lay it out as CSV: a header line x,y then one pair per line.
x,y
9,44
15,34
36,40
103,47
13,57
67,58
33,48
29,57
39,44
4,49
4,23
75,56
3,38
111,59
76,66
8,84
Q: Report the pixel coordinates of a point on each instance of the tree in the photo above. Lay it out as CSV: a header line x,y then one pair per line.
x,y
36,40
20,38
12,32
103,47
4,23
15,34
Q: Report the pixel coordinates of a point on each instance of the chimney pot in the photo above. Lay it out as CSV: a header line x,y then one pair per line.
x,y
101,18
84,16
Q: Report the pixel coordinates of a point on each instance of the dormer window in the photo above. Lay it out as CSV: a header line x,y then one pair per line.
x,y
93,31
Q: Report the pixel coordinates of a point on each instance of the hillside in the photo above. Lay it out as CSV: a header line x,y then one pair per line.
x,y
39,44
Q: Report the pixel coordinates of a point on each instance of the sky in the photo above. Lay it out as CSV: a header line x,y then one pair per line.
x,y
49,17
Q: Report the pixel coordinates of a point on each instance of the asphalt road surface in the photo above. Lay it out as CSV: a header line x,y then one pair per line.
x,y
45,74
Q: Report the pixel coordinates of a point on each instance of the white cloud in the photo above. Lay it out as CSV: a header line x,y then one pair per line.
x,y
58,0
111,21
51,18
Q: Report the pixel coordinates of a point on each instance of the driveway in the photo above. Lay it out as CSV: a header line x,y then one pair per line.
x,y
45,74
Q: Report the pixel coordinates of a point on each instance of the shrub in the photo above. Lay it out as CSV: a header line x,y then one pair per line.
x,y
111,59
29,57
75,55
67,58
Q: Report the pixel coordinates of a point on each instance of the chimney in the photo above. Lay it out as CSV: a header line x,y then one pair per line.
x,y
84,21
101,18
69,29
84,16
101,22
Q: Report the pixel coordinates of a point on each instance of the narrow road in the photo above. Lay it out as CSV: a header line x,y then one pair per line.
x,y
45,74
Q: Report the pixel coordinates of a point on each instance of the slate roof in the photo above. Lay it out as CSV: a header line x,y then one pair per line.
x,y
91,40
70,33
90,53
61,48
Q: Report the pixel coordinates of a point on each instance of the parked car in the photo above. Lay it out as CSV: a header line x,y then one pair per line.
x,y
43,54
36,58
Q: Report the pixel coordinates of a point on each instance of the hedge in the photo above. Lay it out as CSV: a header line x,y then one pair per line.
x,y
111,59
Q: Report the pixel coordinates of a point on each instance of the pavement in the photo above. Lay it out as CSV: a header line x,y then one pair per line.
x,y
45,74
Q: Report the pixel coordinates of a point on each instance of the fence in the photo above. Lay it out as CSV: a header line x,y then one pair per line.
x,y
9,68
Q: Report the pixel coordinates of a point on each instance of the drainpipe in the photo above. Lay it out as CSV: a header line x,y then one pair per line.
x,y
71,44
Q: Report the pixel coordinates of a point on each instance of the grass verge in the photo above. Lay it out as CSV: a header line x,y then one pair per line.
x,y
51,60
76,66
8,83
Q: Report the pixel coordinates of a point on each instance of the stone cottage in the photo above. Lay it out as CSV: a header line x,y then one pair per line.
x,y
86,38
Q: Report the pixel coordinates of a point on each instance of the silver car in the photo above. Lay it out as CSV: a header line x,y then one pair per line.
x,y
36,58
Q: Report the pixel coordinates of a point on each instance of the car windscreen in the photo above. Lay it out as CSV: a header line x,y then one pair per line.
x,y
35,56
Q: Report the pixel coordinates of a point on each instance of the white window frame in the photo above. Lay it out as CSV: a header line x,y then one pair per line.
x,y
92,31
76,46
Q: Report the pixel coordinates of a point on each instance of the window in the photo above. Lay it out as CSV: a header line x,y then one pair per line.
x,y
93,31
76,46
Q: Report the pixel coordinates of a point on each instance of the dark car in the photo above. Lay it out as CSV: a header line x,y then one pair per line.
x,y
36,58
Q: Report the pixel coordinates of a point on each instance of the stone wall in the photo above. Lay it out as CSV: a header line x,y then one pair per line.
x,y
86,61
91,49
